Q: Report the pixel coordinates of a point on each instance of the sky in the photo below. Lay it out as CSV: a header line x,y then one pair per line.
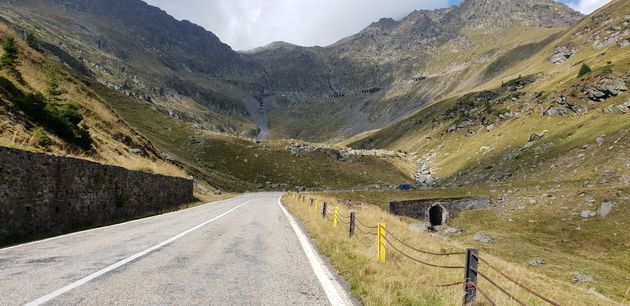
x,y
247,24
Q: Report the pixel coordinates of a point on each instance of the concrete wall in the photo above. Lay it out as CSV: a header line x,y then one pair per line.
x,y
44,195
419,209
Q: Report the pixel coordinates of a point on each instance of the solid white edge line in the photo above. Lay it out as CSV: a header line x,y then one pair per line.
x,y
332,289
83,281
110,226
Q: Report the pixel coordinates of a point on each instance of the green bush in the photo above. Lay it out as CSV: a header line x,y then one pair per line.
x,y
10,57
41,137
584,70
61,119
52,85
32,41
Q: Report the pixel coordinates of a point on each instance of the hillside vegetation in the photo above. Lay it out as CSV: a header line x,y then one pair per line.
x,y
50,107
537,122
44,106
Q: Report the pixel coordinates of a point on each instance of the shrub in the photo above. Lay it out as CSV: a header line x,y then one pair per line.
x,y
61,119
584,70
10,57
41,137
52,85
32,41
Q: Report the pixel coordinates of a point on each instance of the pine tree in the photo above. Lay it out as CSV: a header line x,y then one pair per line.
x,y
10,57
584,70
52,85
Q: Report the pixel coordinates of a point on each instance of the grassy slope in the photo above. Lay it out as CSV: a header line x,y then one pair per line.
x,y
540,192
113,139
460,153
402,282
540,222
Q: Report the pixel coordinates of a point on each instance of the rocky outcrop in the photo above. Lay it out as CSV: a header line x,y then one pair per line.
x,y
423,177
605,88
564,107
618,109
562,53
341,154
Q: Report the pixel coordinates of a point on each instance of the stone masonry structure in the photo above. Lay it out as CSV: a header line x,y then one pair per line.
x,y
44,195
437,211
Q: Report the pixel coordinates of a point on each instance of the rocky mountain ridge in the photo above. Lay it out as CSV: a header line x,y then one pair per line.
x,y
365,81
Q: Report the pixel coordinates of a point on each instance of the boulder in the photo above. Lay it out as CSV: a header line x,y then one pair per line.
x,y
582,278
556,111
605,209
562,53
536,262
483,238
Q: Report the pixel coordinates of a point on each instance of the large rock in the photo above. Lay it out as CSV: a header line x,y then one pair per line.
x,y
562,53
579,277
605,209
606,88
564,107
483,238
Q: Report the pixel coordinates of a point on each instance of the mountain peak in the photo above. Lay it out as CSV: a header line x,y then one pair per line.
x,y
532,13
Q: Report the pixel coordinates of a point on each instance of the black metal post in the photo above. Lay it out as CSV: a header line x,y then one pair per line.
x,y
324,211
352,224
470,276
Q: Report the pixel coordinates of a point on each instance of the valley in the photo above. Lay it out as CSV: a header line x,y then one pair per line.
x,y
526,103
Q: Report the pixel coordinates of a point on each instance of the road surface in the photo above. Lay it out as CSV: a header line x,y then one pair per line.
x,y
241,251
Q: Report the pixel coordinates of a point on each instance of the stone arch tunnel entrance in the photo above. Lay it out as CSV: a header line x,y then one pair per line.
x,y
437,215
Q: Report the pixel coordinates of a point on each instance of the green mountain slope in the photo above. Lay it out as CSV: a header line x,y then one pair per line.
x,y
548,125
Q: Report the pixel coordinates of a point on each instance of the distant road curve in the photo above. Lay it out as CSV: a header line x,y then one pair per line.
x,y
242,251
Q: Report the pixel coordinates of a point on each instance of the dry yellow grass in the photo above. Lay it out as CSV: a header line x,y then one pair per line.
x,y
400,281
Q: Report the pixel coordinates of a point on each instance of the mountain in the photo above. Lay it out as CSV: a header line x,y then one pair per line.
x,y
144,53
558,115
427,55
365,81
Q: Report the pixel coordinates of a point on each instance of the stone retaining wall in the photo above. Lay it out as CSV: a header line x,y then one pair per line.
x,y
45,195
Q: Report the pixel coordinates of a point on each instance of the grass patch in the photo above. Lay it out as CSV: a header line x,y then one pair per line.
x,y
402,282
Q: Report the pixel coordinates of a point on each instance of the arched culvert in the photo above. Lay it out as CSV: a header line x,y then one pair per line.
x,y
437,215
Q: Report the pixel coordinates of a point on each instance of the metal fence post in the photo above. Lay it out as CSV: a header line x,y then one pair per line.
x,y
335,216
470,276
352,223
324,210
382,255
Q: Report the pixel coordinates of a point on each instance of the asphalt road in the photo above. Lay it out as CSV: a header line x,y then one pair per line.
x,y
241,251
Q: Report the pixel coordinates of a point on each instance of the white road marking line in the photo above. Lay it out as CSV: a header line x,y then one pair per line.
x,y
83,281
109,226
334,291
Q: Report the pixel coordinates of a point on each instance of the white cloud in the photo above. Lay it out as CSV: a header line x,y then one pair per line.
x,y
586,6
245,24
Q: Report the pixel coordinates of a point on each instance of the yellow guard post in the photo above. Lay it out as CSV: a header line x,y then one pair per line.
x,y
382,255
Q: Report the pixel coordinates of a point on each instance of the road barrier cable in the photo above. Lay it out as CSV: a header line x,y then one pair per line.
x,y
368,227
420,261
500,288
367,232
516,282
423,251
469,283
483,294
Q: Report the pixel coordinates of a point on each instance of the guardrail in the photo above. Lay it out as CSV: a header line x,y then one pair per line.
x,y
386,240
